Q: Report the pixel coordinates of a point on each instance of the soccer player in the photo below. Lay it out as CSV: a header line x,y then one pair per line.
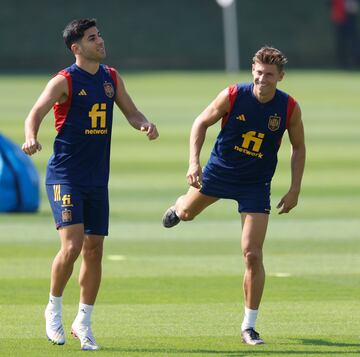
x,y
242,163
82,97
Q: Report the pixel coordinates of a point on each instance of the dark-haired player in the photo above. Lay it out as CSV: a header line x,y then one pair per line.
x,y
82,97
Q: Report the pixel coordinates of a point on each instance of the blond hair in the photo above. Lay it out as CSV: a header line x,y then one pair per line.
x,y
270,55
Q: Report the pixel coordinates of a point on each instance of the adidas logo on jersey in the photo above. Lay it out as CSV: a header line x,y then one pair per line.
x,y
241,117
82,92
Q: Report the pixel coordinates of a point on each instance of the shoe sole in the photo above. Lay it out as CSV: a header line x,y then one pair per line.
x,y
252,344
73,334
54,342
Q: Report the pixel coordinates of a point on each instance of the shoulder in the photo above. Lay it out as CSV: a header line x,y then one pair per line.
x,y
293,113
68,71
111,71
61,80
114,74
240,87
232,92
286,96
64,77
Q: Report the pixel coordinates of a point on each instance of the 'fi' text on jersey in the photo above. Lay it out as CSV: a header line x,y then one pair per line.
x,y
97,116
251,144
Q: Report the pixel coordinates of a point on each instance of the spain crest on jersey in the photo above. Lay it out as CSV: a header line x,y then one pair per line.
x,y
274,122
109,89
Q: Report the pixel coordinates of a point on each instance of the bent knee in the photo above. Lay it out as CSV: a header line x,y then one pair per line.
x,y
185,215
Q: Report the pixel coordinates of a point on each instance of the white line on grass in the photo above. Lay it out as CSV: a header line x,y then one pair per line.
x,y
280,275
116,257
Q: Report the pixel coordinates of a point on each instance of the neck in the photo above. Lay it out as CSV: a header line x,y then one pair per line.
x,y
263,97
88,66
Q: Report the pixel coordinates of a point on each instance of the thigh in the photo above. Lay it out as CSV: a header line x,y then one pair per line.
x,y
193,202
254,226
96,211
66,203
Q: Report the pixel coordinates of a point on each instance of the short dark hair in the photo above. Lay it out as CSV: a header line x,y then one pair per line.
x,y
74,31
270,55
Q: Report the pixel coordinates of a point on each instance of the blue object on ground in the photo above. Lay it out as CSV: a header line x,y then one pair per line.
x,y
19,179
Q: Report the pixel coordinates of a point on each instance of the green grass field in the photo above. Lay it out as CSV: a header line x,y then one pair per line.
x,y
179,292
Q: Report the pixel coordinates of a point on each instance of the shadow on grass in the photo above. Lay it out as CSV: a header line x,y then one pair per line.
x,y
239,353
309,341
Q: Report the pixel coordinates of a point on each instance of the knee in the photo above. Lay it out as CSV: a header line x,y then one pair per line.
x,y
184,214
92,254
71,252
253,259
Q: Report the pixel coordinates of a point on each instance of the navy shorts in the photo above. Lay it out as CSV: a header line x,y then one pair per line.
x,y
76,204
251,198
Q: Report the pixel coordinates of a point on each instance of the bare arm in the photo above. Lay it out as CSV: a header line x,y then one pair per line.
x,y
296,135
136,119
55,91
213,113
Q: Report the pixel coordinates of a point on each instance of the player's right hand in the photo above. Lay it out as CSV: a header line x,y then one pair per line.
x,y
31,146
194,175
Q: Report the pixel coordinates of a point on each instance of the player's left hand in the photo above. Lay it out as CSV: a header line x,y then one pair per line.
x,y
150,130
288,202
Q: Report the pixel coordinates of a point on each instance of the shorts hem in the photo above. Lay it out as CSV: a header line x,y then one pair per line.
x,y
91,233
265,211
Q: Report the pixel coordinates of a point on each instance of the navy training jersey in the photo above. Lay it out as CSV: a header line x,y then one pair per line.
x,y
82,146
246,148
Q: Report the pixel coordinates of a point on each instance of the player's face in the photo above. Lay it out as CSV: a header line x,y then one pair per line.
x,y
265,78
92,46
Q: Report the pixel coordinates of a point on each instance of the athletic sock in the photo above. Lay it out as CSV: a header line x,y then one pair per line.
x,y
249,319
84,314
55,303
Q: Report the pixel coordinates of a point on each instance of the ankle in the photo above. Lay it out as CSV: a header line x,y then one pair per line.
x,y
55,303
83,316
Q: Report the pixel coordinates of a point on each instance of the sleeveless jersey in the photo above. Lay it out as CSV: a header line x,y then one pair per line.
x,y
246,148
82,146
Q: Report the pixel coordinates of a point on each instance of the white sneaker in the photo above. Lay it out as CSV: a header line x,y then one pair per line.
x,y
84,334
54,328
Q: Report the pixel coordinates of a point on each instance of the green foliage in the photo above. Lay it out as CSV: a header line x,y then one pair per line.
x,y
178,292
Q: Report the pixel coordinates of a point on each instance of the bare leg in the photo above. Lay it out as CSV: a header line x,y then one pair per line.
x,y
192,203
90,271
253,236
71,242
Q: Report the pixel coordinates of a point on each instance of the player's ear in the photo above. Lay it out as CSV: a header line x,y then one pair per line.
x,y
75,48
281,75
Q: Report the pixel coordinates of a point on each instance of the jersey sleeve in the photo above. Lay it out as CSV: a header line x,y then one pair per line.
x,y
112,72
290,108
233,90
61,110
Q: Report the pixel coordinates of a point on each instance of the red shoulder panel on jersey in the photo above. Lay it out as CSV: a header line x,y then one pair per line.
x,y
61,110
113,75
232,98
290,109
